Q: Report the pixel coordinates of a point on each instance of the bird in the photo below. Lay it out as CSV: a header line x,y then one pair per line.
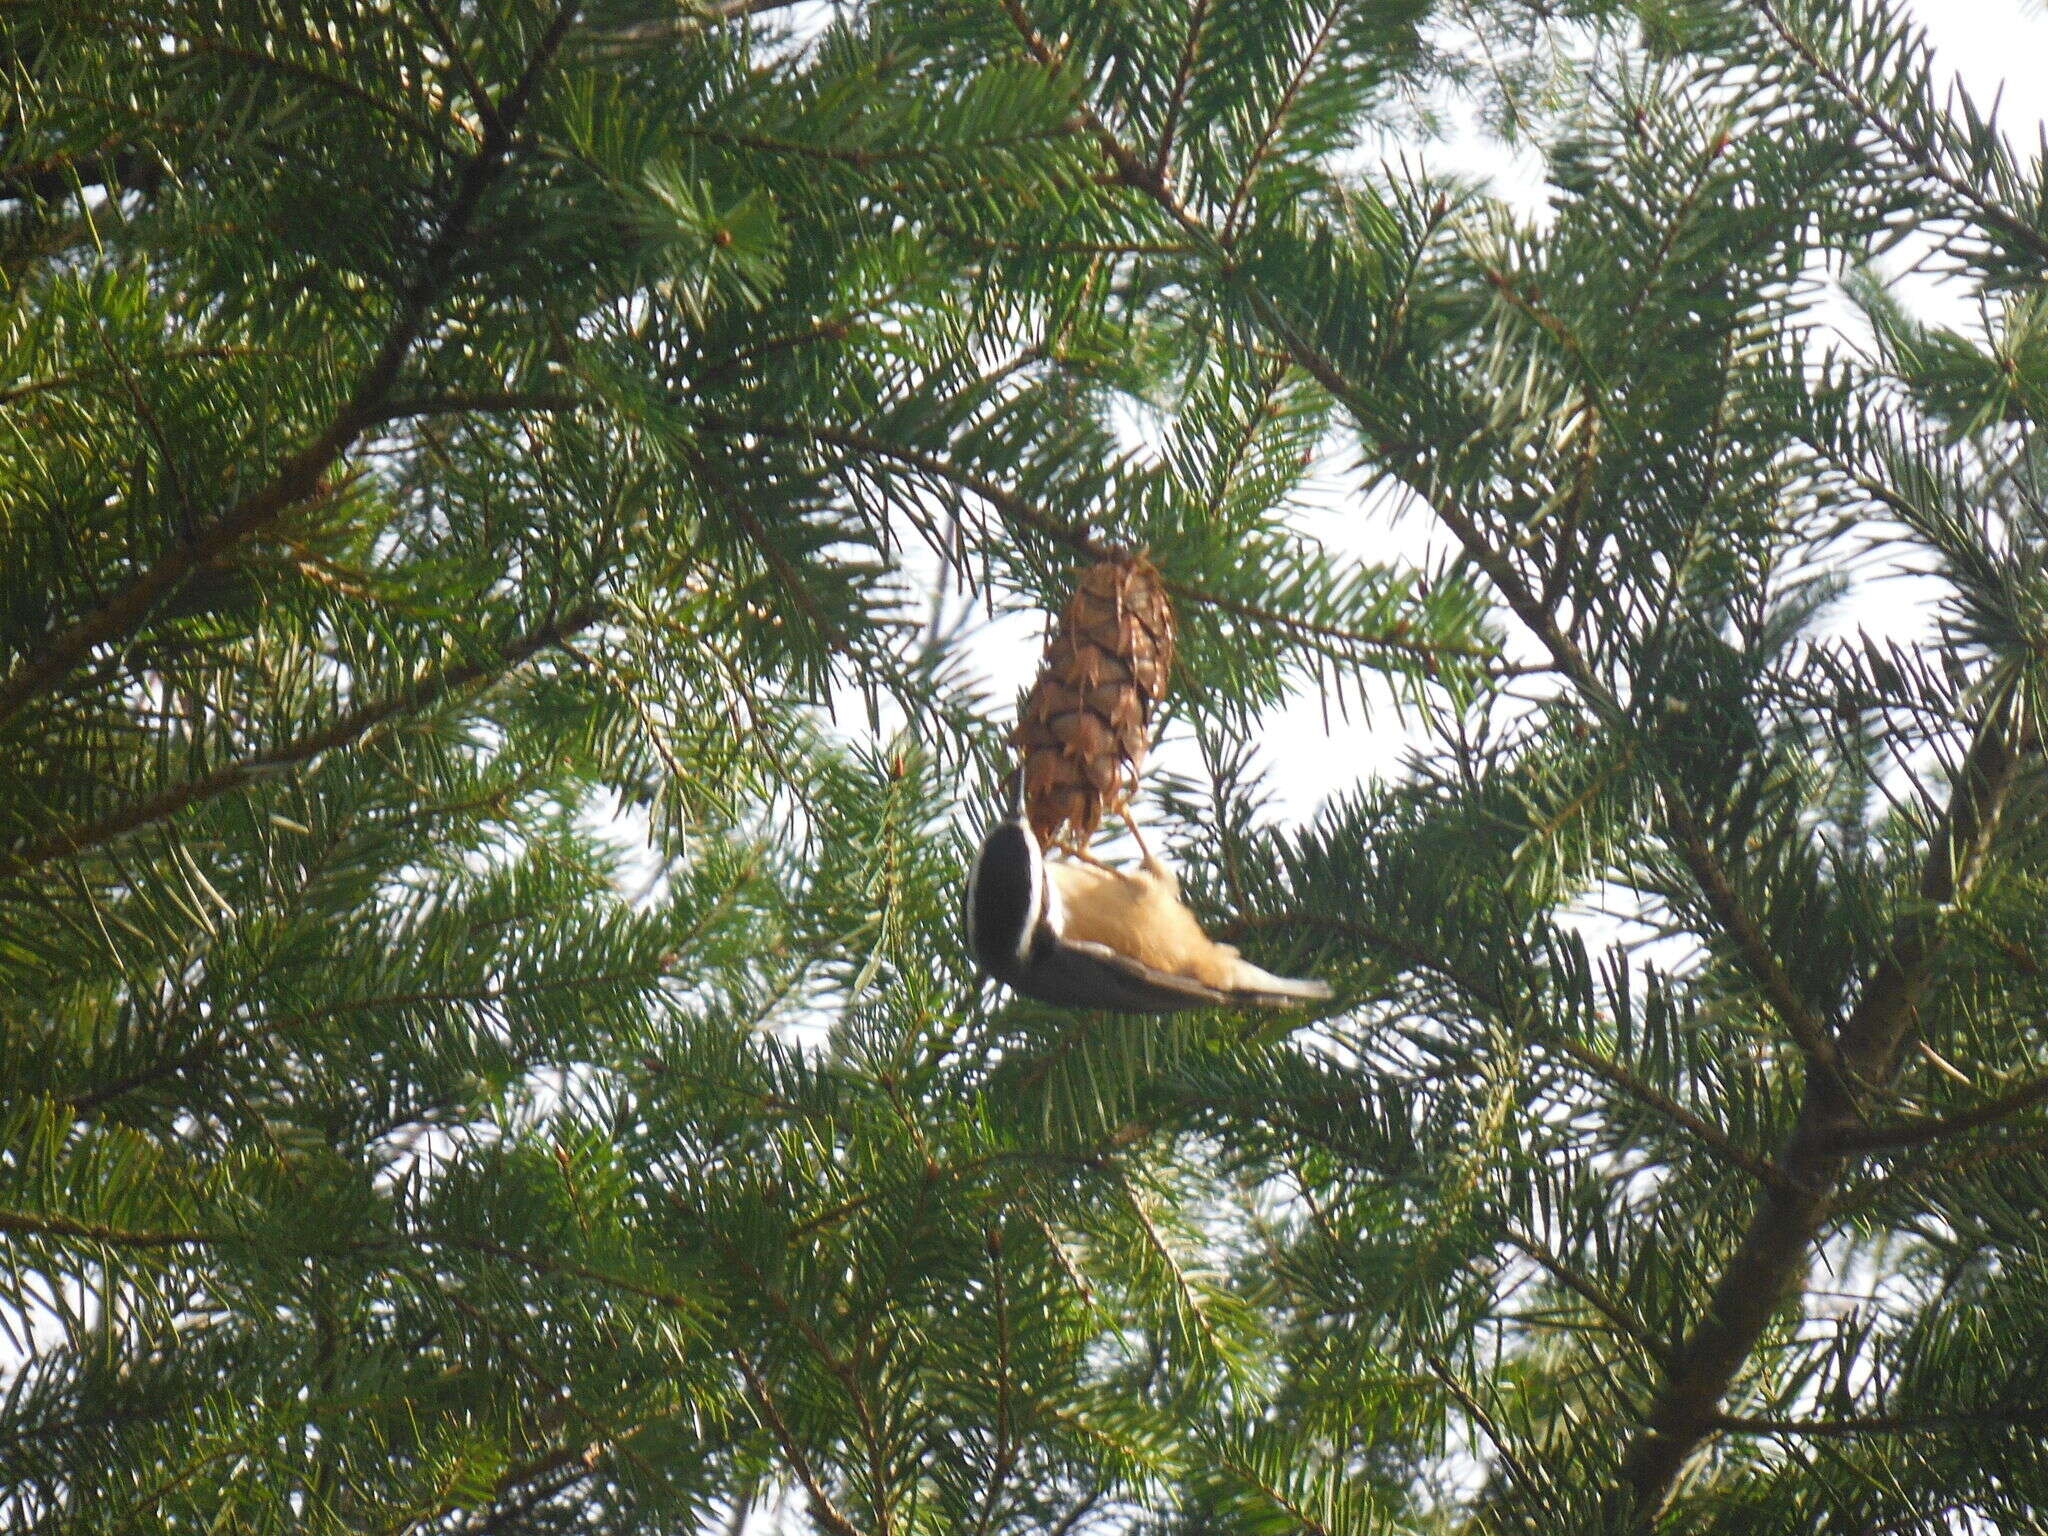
x,y
1080,934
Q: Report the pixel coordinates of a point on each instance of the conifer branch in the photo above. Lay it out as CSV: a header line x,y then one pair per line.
x,y
117,167
823,1509
1923,159
1225,473
862,157
974,240
1476,1411
692,18
1521,1017
458,60
1900,1182
1575,1281
31,1224
1540,618
342,732
61,381
1176,97
547,1264
734,505
1736,920
1964,1423
1297,1515
228,1036
426,130
522,1491
1915,1133
835,328
478,402
838,1366
1770,1261
302,475
1004,1462
41,1224
1276,120
1021,512
737,10
1767,1173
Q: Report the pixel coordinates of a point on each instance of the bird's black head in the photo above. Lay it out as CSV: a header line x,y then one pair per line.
x,y
1006,896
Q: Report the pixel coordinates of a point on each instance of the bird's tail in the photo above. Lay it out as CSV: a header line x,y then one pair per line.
x,y
1250,984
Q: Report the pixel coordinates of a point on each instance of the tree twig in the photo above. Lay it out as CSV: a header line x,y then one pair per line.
x,y
1914,1133
1970,1423
1574,1280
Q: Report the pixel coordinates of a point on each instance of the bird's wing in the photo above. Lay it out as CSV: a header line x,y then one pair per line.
x,y
1167,992
1139,988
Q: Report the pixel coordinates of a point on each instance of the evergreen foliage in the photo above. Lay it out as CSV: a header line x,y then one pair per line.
x,y
486,1051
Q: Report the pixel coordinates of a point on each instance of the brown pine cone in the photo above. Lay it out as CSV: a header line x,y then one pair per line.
x,y
1087,723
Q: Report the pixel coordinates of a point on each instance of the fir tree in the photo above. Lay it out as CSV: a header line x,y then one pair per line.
x,y
485,1049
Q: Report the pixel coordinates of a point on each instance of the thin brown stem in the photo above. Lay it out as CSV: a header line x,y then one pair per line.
x,y
1909,148
1736,920
1527,1020
1914,1133
823,1510
210,1047
39,1224
1276,120
1183,77
477,402
1574,1280
116,167
1899,1424
733,503
458,60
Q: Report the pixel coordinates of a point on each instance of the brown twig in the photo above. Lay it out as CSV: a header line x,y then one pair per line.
x,y
33,1224
1910,150
823,1510
1277,119
1969,1423
1518,1016
1574,1280
112,166
1914,1133
1176,100
226,1036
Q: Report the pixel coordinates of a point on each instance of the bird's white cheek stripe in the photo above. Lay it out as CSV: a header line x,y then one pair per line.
x,y
1046,906
1032,913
